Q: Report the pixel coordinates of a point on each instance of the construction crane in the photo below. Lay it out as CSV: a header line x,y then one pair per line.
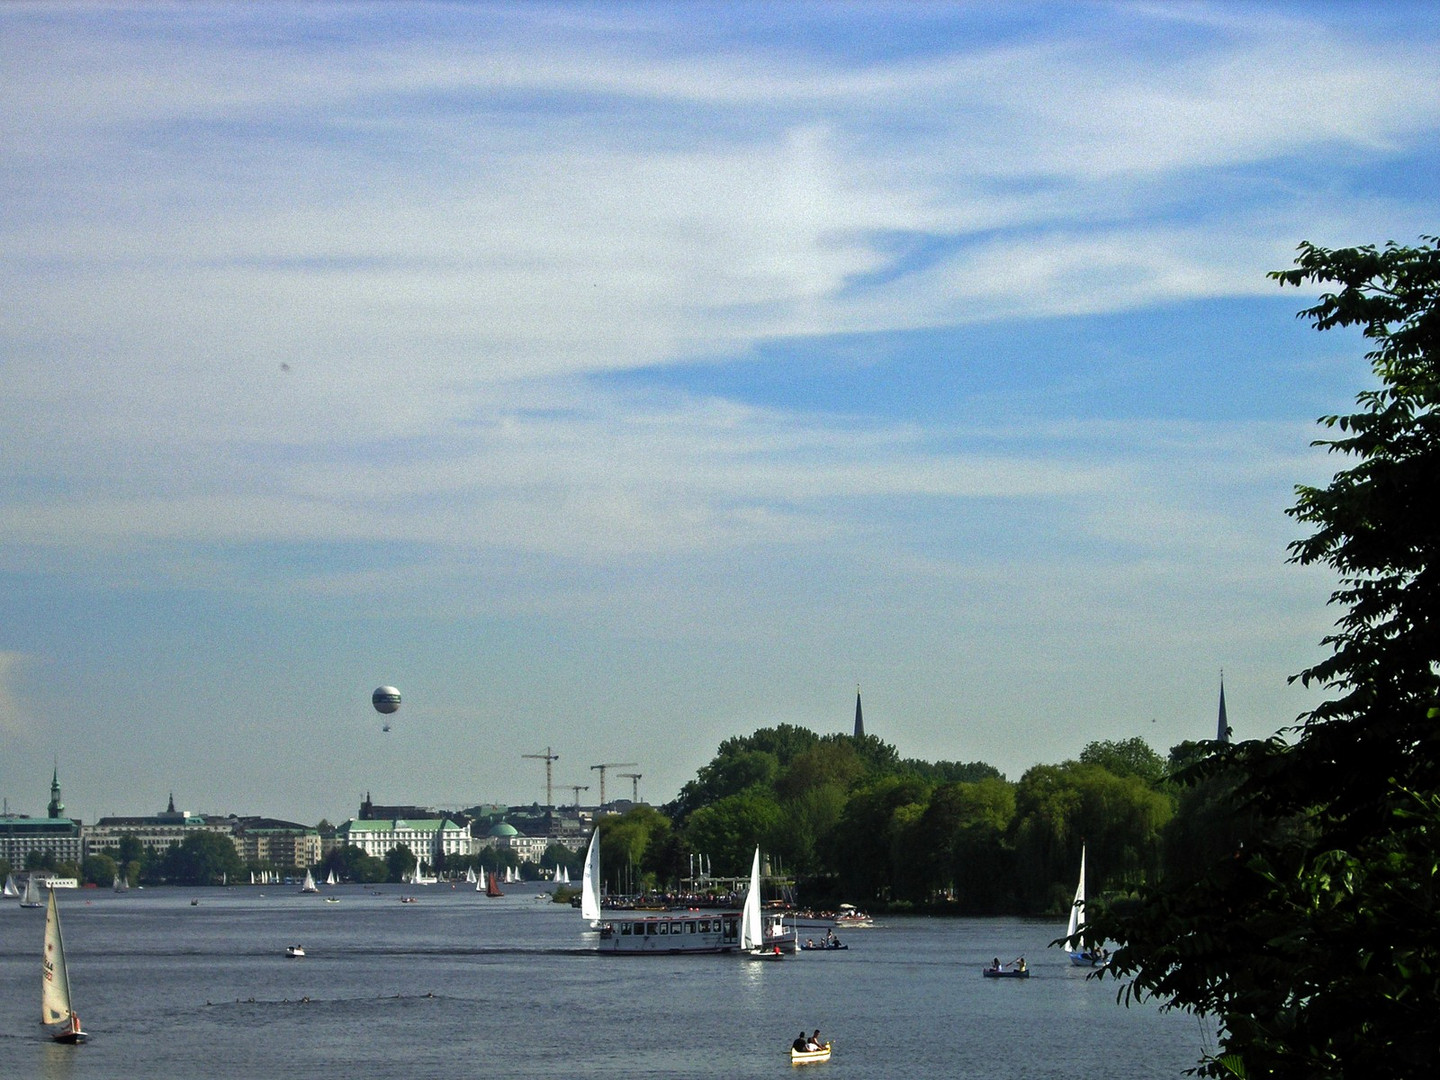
x,y
549,760
610,765
577,788
634,778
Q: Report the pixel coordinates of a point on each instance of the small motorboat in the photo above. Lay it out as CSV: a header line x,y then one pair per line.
x,y
294,950
810,1057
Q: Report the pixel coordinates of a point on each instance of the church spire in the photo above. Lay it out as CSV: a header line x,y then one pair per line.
x,y
57,808
859,720
1222,728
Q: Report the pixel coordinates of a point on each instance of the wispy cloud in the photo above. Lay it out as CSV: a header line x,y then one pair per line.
x,y
331,302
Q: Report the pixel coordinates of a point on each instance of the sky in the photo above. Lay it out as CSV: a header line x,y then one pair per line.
x,y
615,379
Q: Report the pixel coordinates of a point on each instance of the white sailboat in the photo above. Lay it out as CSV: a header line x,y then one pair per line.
x,y
752,918
55,1007
590,882
12,891
309,886
331,880
31,896
1079,955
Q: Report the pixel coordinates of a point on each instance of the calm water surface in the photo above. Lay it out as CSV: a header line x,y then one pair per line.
x,y
459,985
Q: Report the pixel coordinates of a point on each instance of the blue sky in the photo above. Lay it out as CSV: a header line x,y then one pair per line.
x,y
619,378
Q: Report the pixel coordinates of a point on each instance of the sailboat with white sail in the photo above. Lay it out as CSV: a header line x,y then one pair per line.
x,y
590,883
309,885
30,898
757,939
1081,956
12,891
55,1005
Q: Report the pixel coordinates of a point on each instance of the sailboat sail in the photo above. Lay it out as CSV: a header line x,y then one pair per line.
x,y
1077,909
1080,954
55,1007
752,931
11,890
590,882
30,898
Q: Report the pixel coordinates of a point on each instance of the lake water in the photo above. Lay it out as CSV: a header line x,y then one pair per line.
x,y
459,984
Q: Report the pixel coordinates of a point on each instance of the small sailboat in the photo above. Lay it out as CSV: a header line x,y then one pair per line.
x,y
55,1006
309,885
492,887
1079,955
30,898
752,919
331,879
12,891
590,882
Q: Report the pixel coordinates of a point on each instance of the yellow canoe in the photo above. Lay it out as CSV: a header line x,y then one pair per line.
x,y
809,1057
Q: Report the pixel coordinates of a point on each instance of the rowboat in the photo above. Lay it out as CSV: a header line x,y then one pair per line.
x,y
810,1057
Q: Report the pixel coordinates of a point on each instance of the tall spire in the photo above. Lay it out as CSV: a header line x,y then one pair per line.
x,y
1222,729
859,720
57,808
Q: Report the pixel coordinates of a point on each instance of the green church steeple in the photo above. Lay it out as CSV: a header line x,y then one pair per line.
x,y
57,808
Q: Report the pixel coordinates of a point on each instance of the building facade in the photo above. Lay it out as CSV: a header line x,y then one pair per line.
x,y
157,833
54,835
426,838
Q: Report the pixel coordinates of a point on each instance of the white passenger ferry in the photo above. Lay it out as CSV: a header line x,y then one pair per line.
x,y
693,932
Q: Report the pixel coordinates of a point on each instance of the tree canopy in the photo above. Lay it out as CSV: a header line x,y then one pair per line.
x,y
1314,934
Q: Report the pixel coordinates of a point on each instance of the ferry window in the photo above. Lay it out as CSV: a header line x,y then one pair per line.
x,y
690,927
624,929
650,929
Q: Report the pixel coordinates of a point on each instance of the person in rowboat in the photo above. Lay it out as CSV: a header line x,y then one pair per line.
x,y
801,1044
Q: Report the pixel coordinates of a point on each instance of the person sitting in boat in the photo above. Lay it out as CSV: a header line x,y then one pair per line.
x,y
801,1044
809,943
815,1043
995,964
1020,964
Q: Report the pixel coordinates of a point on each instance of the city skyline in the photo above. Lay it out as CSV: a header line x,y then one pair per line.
x,y
619,378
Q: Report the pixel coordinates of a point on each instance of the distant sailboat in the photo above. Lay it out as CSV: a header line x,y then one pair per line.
x,y
331,879
12,891
30,898
590,882
1079,955
55,1007
492,888
309,886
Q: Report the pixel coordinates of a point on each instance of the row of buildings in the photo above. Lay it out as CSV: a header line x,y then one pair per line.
x,y
270,842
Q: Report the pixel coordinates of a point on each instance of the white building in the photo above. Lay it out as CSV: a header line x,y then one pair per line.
x,y
425,838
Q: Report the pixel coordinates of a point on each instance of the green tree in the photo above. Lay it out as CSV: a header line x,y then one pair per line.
x,y
728,830
1127,757
862,847
202,858
400,863
100,869
1315,940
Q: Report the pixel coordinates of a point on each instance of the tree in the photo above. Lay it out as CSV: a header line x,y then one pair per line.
x,y
202,858
400,863
100,869
1315,939
1126,757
